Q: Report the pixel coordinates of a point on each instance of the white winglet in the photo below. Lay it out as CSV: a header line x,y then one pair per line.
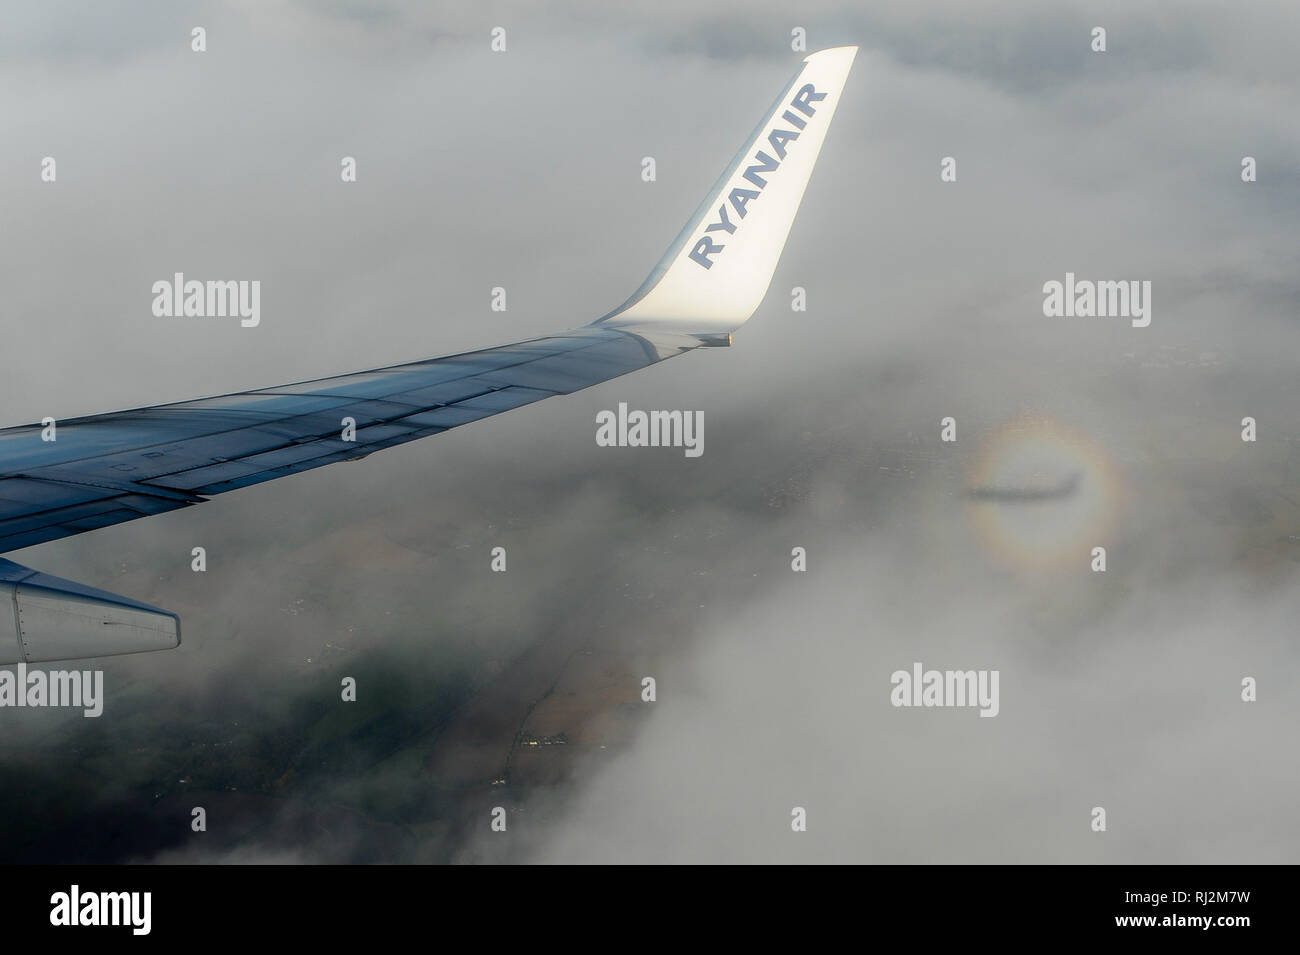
x,y
716,273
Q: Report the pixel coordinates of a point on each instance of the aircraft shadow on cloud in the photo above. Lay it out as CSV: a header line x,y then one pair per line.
x,y
1026,495
109,468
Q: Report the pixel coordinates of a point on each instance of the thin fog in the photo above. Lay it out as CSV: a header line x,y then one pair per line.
x,y
521,170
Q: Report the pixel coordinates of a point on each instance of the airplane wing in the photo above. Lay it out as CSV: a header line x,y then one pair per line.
x,y
109,468
104,469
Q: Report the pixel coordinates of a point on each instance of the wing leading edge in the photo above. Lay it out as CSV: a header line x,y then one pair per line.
x,y
108,468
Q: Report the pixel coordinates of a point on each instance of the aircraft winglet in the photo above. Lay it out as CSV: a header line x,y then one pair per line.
x,y
718,270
